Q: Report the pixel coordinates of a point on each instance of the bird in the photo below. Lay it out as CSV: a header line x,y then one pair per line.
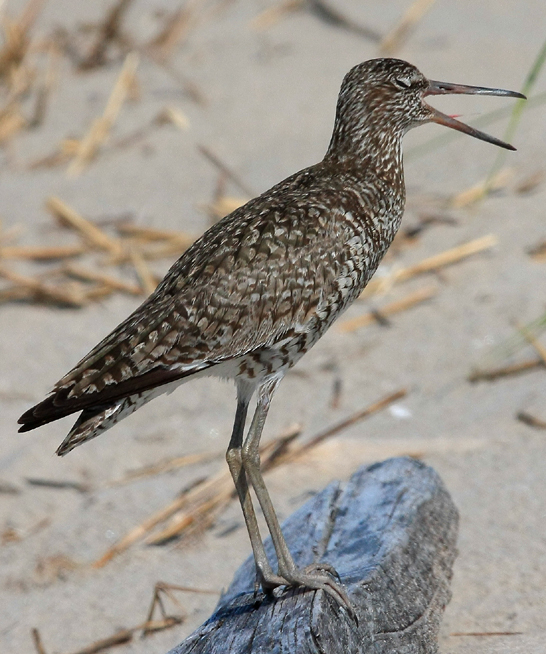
x,y
259,288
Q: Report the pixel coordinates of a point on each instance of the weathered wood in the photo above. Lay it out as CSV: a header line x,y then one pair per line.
x,y
390,533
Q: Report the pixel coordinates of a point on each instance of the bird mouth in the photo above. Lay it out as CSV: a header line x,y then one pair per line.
x,y
445,88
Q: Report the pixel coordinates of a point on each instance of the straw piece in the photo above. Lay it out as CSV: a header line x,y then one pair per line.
x,y
98,292
220,483
479,191
145,275
204,501
108,31
530,420
91,233
332,16
224,206
37,640
11,122
39,253
31,288
531,183
407,302
531,338
175,31
120,638
152,234
213,486
204,512
152,625
431,264
101,127
43,92
225,169
481,634
174,116
198,505
272,15
283,450
165,466
517,111
94,276
538,251
348,422
505,371
394,39
166,249
58,484
16,37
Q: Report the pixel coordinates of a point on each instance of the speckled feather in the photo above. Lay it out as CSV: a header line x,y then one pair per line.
x,y
260,287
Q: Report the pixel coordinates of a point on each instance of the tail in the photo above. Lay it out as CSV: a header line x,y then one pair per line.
x,y
99,411
96,420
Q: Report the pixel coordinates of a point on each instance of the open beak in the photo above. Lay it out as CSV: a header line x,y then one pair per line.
x,y
444,88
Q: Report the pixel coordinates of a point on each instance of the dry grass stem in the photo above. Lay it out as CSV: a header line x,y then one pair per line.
x,y
174,116
41,253
148,627
45,88
37,641
11,122
431,264
175,31
145,275
119,638
214,486
90,232
531,183
151,234
479,191
533,340
272,15
197,507
17,37
166,466
538,252
301,449
226,170
224,205
530,420
505,371
166,621
394,39
487,633
30,288
108,31
422,295
332,16
100,128
58,484
109,281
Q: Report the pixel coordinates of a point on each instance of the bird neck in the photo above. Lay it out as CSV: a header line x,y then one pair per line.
x,y
368,146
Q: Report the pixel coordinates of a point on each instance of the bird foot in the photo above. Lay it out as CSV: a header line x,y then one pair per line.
x,y
317,576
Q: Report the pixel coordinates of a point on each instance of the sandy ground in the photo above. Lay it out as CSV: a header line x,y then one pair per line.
x,y
270,99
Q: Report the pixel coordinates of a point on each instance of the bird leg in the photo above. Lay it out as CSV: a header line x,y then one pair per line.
x,y
318,576
266,576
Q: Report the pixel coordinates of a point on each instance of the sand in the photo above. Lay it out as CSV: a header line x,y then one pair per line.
x,y
269,105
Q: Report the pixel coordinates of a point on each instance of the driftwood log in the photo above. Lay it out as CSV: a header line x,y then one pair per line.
x,y
390,533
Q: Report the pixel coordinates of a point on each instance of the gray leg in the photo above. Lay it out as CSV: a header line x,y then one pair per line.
x,y
265,573
316,576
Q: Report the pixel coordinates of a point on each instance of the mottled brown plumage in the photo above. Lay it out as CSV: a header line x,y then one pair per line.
x,y
258,289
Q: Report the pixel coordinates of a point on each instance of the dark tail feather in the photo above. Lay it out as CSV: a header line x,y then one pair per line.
x,y
59,404
44,412
89,424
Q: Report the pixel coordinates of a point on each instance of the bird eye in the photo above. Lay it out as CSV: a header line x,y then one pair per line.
x,y
402,82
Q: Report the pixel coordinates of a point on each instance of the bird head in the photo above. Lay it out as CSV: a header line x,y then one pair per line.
x,y
388,95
